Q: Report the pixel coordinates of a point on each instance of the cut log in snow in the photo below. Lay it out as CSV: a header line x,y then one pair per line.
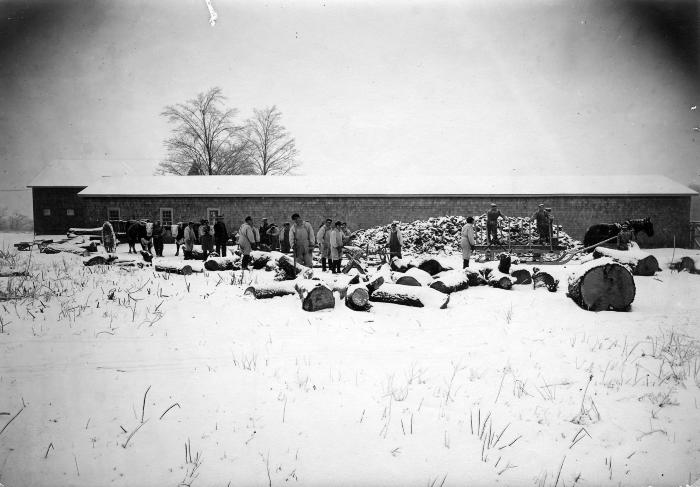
x,y
399,265
177,267
56,248
601,285
423,277
475,278
544,279
315,295
222,264
496,278
271,289
417,296
99,259
522,276
642,264
404,280
357,298
258,259
687,264
287,268
338,282
192,254
374,283
428,264
450,281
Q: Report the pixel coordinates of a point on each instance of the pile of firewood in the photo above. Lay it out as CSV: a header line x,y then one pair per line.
x,y
443,234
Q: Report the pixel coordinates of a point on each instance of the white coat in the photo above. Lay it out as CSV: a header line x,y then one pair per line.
x,y
246,238
336,244
468,241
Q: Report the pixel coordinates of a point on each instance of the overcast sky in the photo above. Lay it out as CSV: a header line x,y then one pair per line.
x,y
368,89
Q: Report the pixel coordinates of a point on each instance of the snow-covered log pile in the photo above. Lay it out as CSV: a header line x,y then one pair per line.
x,y
443,234
601,285
641,263
689,264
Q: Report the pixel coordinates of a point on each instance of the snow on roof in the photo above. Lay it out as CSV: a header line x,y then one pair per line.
x,y
76,173
275,186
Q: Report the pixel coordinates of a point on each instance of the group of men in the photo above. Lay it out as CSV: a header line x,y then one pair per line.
x,y
299,238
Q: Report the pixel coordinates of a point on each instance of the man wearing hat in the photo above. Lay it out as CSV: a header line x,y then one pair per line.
x,y
542,221
246,241
492,217
395,240
220,235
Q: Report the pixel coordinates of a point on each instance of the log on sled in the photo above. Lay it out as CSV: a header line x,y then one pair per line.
x,y
417,296
602,285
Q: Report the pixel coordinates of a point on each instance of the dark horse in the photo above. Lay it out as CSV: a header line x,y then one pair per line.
x,y
604,231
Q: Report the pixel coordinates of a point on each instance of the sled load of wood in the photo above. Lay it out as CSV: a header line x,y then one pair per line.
x,y
77,245
443,234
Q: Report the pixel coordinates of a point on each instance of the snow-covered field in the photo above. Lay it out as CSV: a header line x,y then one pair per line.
x,y
183,380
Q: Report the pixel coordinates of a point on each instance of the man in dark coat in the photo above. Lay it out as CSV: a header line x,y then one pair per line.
x,y
492,217
542,220
264,237
157,235
284,238
220,236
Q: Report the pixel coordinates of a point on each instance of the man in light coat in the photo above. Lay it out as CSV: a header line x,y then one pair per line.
x,y
468,241
395,241
190,238
336,247
301,239
323,237
246,240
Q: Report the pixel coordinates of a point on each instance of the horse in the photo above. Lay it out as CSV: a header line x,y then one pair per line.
x,y
603,231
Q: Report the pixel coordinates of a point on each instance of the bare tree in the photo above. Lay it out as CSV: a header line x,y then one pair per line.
x,y
270,147
204,139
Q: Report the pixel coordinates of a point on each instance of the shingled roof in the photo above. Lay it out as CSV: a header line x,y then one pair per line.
x,y
275,186
77,173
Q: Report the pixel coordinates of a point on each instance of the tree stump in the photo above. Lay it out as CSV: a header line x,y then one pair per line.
x,y
602,285
642,264
450,281
357,298
315,295
522,276
417,296
271,289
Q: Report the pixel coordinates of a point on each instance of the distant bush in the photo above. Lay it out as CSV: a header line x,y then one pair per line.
x,y
15,221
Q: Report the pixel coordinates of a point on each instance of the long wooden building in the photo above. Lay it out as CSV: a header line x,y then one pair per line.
x,y
577,202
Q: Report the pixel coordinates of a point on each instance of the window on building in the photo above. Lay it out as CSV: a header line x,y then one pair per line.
x,y
166,216
113,214
212,213
70,212
47,211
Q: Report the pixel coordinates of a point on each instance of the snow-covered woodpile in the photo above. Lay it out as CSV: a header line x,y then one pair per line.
x,y
443,234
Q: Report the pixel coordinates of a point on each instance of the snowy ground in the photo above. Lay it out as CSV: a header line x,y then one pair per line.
x,y
267,394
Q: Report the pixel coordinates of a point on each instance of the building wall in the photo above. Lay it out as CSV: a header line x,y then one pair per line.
x,y
58,200
671,215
